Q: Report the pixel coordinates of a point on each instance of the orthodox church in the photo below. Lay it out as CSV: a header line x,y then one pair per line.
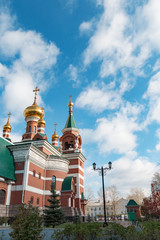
x,y
27,168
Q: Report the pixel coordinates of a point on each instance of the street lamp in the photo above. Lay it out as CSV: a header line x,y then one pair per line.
x,y
102,171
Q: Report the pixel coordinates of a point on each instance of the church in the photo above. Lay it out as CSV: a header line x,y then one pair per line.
x,y
28,167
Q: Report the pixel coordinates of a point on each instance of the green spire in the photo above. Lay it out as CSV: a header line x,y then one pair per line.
x,y
70,121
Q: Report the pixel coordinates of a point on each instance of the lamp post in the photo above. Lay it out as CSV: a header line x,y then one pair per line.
x,y
102,171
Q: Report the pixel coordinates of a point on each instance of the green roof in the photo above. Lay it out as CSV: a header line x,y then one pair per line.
x,y
6,160
67,184
70,122
42,134
82,196
132,203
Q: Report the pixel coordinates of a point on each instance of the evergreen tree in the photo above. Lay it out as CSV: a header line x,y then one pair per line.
x,y
27,224
53,214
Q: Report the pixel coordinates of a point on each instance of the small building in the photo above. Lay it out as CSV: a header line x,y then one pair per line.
x,y
96,209
133,210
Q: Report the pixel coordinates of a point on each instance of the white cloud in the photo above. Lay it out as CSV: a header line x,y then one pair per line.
x,y
152,94
116,133
127,174
29,58
98,99
73,74
121,41
85,27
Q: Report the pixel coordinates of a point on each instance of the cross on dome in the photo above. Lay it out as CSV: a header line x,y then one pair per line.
x,y
35,91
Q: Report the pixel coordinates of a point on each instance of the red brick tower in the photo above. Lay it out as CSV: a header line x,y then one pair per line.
x,y
70,146
7,129
32,114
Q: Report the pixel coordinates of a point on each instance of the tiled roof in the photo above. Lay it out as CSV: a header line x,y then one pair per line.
x,y
6,160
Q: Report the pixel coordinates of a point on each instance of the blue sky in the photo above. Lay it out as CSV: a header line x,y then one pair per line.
x,y
107,55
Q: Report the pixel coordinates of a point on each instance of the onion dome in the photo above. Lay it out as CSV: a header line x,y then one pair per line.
x,y
55,135
41,121
7,126
34,110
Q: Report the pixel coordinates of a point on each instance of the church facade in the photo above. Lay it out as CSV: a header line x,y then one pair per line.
x,y
28,168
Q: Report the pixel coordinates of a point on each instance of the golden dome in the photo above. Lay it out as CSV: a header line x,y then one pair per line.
x,y
34,110
41,121
7,126
55,135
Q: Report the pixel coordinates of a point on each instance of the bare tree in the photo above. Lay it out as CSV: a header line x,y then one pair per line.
x,y
89,194
156,177
111,195
137,194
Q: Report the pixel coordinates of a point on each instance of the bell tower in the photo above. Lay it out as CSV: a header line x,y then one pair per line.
x,y
71,148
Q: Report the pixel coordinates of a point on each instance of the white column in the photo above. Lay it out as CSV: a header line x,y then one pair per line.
x,y
8,194
69,202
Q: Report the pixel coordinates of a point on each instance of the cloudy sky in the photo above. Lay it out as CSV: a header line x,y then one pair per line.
x,y
107,55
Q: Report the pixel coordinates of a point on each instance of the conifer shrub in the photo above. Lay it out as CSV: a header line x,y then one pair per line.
x,y
27,224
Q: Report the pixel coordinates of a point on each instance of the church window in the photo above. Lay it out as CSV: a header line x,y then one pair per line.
x,y
34,173
29,128
37,201
31,200
34,129
39,176
2,197
54,181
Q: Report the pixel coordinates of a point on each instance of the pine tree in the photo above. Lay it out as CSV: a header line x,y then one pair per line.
x,y
53,214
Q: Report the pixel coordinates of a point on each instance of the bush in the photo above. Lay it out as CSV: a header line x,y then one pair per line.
x,y
27,224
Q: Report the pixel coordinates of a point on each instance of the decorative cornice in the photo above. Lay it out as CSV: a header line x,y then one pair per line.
x,y
70,129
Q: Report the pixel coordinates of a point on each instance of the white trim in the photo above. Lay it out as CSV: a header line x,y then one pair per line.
x,y
40,128
76,166
45,178
19,171
17,188
7,133
75,175
33,189
80,185
27,119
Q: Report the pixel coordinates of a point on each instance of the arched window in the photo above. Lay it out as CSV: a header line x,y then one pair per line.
x,y
54,181
29,128
34,129
2,197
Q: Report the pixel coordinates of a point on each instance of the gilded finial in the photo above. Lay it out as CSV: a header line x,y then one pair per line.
x,y
70,103
55,135
7,125
35,97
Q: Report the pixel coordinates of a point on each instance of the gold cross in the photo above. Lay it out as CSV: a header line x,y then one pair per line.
x,y
70,97
36,90
9,114
55,125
